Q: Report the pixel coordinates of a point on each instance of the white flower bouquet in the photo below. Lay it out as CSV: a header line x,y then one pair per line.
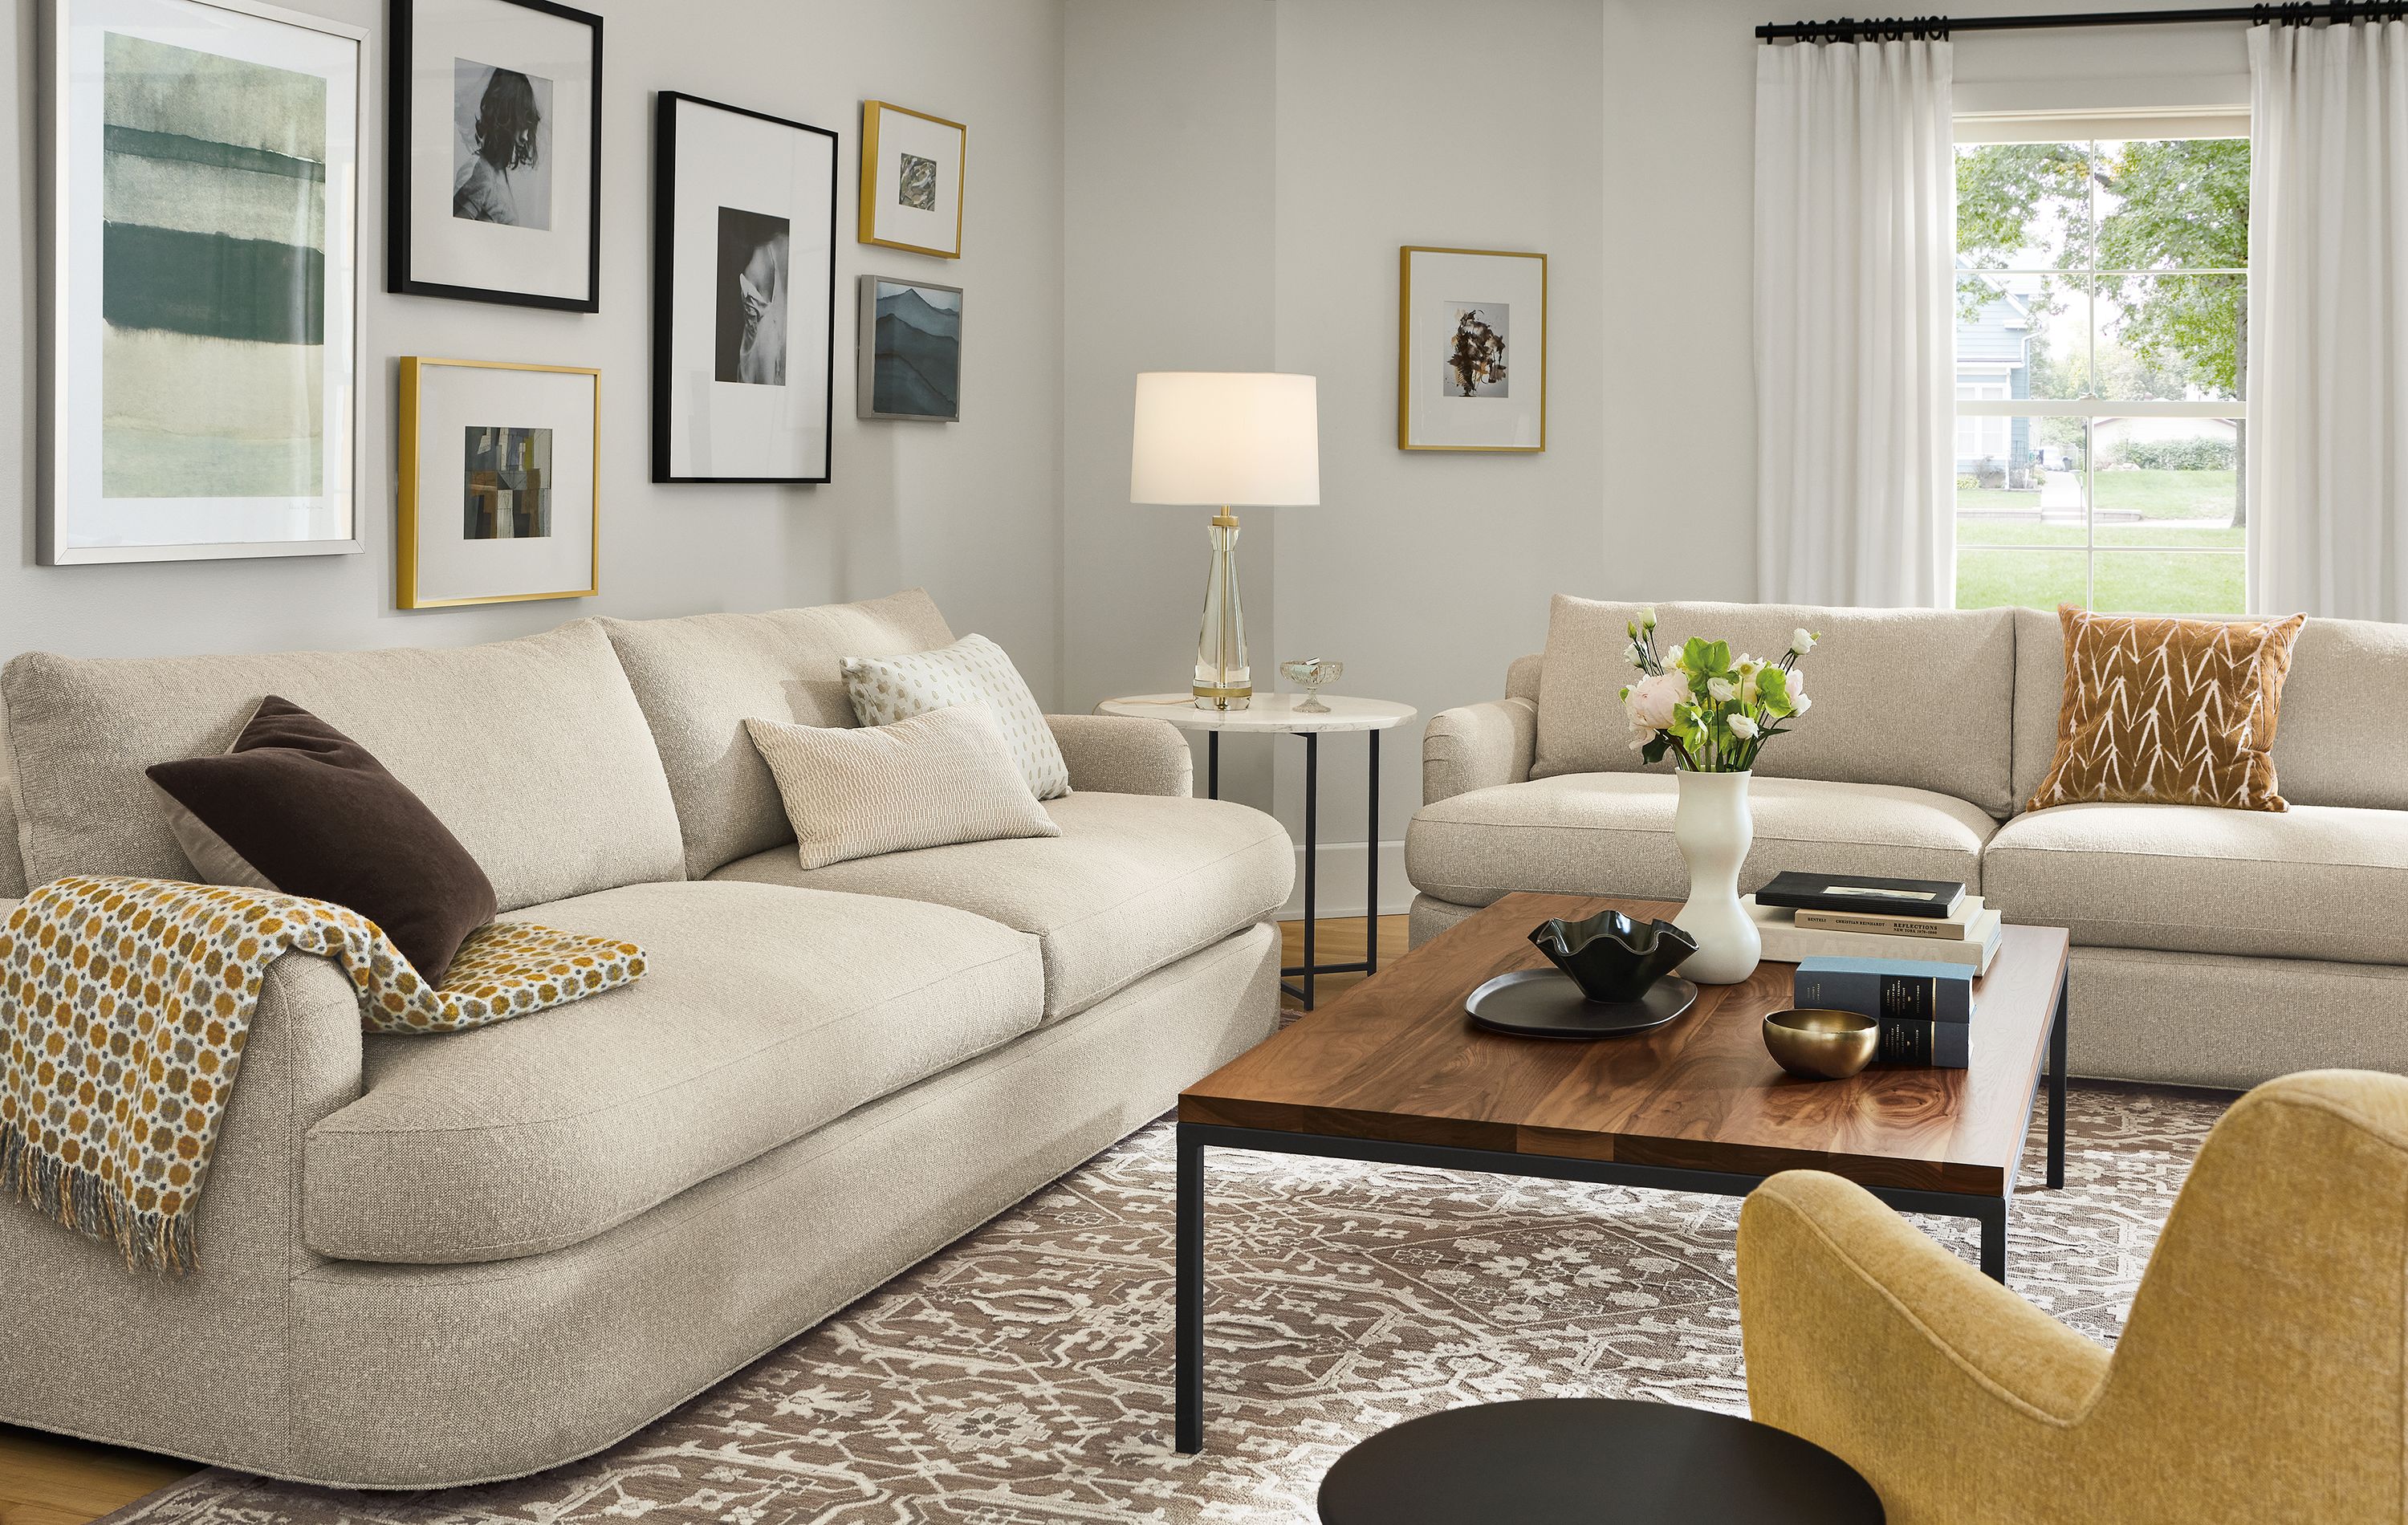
x,y
1711,714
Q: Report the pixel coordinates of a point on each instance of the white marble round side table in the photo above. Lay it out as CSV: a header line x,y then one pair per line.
x,y
1283,713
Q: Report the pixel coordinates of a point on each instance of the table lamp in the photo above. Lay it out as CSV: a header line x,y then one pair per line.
x,y
1224,439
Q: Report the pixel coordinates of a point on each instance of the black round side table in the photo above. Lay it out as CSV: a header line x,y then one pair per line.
x,y
1595,1461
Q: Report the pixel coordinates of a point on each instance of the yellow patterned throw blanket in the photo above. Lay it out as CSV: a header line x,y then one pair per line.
x,y
123,1008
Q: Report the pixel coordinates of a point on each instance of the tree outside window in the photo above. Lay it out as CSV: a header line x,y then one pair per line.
x,y
2103,345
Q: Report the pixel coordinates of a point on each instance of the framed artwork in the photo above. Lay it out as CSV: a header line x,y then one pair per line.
x,y
1472,350
499,464
203,376
743,296
912,179
494,149
910,350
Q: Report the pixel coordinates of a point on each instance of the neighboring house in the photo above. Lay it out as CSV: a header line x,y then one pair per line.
x,y
1994,365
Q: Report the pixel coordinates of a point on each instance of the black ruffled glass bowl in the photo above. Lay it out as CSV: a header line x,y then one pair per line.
x,y
1611,957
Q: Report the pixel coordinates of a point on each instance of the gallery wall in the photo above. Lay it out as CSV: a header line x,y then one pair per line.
x,y
967,508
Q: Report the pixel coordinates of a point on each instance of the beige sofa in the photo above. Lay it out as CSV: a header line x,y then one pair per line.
x,y
428,1260
2212,947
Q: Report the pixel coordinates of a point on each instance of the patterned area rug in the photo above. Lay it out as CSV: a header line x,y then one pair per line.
x,y
1022,1377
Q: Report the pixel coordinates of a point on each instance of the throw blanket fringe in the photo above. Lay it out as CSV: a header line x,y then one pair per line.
x,y
127,1006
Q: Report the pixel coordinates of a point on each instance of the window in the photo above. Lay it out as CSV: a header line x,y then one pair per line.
x,y
2102,342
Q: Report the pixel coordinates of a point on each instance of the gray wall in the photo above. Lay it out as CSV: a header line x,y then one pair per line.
x,y
971,509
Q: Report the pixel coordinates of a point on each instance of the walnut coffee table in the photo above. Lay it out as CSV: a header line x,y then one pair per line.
x,y
1393,1071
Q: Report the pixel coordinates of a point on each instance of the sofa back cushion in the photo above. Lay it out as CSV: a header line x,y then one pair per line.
x,y
533,753
1919,699
700,678
2340,742
13,860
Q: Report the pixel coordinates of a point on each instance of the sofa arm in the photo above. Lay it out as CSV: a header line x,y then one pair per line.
x,y
1124,755
1954,1398
1476,746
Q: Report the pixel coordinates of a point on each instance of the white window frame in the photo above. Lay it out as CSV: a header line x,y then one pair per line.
x,y
2094,127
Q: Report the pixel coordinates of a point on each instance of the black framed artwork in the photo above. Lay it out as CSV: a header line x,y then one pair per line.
x,y
743,294
493,184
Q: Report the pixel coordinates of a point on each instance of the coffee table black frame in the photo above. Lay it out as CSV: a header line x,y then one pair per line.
x,y
1990,1213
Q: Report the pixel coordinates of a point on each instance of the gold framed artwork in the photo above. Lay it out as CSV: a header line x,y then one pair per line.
x,y
912,179
1472,350
499,468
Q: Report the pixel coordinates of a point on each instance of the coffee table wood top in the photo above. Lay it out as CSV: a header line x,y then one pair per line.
x,y
1394,1059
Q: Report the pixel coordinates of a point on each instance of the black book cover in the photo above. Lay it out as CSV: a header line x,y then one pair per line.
x,y
1934,898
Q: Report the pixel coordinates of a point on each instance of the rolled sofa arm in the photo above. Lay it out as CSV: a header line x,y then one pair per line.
x,y
1477,746
1124,755
1953,1397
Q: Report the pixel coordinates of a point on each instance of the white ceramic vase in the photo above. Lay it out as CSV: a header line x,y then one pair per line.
x,y
1713,830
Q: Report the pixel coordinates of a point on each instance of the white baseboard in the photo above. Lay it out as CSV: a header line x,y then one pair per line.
x,y
1338,884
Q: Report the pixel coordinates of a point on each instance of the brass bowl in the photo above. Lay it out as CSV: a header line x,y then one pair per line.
x,y
1815,1044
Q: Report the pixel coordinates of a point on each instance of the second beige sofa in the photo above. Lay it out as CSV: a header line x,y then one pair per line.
x,y
2212,947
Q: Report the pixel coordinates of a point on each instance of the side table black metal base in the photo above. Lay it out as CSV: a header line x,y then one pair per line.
x,y
1306,971
1595,1461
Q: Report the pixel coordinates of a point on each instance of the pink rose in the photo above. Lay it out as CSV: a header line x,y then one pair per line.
x,y
1652,700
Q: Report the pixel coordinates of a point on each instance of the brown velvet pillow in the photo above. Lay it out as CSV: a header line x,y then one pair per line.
x,y
2159,711
297,806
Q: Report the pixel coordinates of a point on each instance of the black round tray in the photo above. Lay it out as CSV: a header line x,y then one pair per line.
x,y
1545,1003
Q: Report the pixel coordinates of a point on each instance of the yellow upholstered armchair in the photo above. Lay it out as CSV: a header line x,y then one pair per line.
x,y
2260,1378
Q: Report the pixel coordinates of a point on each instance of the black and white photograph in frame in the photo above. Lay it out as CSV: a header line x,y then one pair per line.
x,y
1472,350
203,372
911,172
743,294
500,475
910,350
494,152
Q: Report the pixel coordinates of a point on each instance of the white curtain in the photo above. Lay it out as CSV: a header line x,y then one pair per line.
x,y
2328,321
1855,339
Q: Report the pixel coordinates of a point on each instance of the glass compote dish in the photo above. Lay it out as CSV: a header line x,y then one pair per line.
x,y
1311,674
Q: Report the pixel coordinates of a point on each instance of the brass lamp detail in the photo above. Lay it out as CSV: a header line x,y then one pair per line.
x,y
1224,439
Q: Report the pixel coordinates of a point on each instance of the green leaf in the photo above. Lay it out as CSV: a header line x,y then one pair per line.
x,y
1654,751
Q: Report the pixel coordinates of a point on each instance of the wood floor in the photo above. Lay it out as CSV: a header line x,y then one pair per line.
x,y
45,1480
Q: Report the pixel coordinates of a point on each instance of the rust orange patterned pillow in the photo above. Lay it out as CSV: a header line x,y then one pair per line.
x,y
2169,712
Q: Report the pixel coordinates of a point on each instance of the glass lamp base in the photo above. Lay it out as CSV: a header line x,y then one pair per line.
x,y
1222,680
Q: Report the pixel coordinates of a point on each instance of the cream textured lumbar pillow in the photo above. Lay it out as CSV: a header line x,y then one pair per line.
x,y
935,779
973,670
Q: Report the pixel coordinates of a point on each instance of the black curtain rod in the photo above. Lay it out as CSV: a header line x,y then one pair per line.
x,y
1848,29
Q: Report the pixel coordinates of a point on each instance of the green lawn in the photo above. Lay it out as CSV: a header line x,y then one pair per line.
x,y
2128,582
2155,495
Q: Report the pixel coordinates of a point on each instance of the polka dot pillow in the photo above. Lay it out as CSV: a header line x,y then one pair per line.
x,y
973,670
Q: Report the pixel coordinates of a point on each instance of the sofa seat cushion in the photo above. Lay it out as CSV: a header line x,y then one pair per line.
x,y
1612,834
2313,882
766,1011
1133,882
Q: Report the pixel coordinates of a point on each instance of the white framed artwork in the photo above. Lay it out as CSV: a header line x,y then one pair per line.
x,y
204,377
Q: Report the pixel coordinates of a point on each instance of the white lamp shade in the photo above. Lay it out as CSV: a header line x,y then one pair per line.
x,y
1226,438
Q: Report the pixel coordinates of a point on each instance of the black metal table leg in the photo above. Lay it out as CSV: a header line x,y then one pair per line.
x,y
2056,1084
1212,765
1311,850
1187,1380
1371,875
1993,1219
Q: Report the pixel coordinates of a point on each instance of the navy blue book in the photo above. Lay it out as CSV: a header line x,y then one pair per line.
x,y
1942,1045
1910,988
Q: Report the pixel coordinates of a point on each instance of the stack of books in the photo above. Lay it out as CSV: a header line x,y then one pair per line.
x,y
1904,951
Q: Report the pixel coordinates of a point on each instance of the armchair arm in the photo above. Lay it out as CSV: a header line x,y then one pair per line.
x,y
1475,746
1124,755
1954,1398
